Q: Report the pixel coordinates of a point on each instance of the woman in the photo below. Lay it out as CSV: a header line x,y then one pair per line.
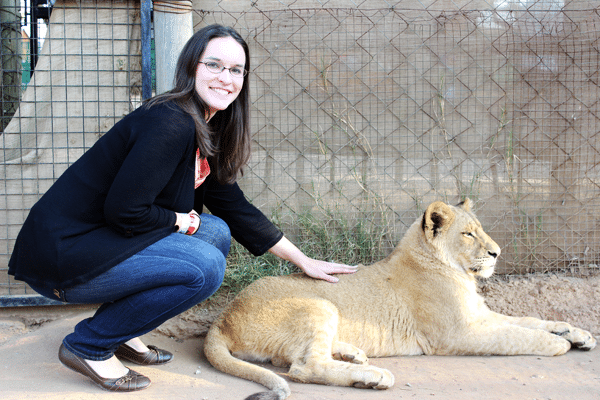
x,y
119,227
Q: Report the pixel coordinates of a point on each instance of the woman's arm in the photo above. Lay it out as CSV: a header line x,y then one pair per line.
x,y
255,232
248,225
314,268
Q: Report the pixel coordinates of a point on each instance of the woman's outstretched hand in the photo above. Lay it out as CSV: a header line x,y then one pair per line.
x,y
317,269
322,269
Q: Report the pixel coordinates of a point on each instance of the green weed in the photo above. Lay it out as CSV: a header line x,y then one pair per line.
x,y
325,235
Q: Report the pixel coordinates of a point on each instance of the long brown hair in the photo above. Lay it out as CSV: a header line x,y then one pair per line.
x,y
225,140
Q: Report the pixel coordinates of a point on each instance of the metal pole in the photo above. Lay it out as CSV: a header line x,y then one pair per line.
x,y
146,11
172,29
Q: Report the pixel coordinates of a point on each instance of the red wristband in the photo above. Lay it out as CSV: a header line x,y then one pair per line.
x,y
194,224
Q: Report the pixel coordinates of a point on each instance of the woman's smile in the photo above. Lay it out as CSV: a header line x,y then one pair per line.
x,y
215,83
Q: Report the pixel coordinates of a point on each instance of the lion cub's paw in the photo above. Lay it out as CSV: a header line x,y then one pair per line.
x,y
559,328
579,338
349,353
556,347
373,378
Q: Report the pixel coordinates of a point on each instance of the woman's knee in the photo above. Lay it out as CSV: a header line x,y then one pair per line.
x,y
216,232
214,271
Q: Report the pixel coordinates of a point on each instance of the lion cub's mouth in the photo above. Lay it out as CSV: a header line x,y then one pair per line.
x,y
484,271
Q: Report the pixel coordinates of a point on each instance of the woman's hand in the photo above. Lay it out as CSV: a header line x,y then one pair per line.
x,y
322,269
314,268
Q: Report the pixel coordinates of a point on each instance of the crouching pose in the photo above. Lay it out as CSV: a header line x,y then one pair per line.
x,y
123,226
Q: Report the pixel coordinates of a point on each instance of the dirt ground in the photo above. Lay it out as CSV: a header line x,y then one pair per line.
x,y
30,337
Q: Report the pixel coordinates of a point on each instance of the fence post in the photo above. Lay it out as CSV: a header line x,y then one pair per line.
x,y
145,11
172,29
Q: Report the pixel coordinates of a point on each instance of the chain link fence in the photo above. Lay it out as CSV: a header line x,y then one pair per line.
x,y
87,77
372,114
364,113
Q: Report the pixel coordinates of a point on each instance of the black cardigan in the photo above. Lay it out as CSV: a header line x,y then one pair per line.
x,y
120,197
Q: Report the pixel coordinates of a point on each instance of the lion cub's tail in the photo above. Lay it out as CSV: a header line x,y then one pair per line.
x,y
216,349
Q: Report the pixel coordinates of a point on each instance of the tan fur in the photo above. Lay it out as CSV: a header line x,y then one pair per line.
x,y
421,299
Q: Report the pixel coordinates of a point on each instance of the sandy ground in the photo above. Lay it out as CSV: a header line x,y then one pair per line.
x,y
30,337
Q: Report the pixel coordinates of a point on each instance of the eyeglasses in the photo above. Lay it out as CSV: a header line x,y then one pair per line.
x,y
217,68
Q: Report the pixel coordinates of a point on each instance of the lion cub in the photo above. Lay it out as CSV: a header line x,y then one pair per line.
x,y
421,299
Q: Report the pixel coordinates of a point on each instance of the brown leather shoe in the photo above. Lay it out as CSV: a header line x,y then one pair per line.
x,y
127,383
154,356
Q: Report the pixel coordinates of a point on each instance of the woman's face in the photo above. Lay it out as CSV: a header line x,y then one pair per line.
x,y
220,89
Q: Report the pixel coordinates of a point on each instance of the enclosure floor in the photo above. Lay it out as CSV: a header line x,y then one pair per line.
x,y
31,370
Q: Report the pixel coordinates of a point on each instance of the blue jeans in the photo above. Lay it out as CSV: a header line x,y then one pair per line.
x,y
147,289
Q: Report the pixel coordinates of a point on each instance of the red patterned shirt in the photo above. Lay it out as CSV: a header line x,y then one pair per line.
x,y
202,170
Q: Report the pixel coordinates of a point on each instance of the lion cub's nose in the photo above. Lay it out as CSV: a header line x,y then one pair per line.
x,y
491,253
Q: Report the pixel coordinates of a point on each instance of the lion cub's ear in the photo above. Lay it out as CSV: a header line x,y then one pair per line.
x,y
437,219
466,204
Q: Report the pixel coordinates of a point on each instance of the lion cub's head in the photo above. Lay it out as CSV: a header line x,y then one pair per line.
x,y
459,238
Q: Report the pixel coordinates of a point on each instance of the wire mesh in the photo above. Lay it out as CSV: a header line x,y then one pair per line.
x,y
372,112
86,78
362,112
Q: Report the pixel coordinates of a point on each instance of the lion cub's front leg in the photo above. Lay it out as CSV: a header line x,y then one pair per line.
x,y
578,338
488,338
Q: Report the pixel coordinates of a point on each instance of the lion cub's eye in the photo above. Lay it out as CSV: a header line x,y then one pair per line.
x,y
468,234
